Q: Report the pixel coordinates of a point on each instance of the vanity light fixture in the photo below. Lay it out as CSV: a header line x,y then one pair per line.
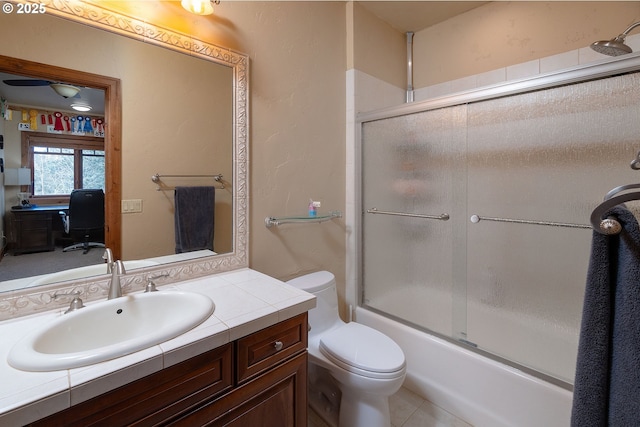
x,y
199,7
81,107
65,90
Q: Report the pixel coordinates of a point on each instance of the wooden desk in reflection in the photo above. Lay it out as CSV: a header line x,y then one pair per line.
x,y
32,229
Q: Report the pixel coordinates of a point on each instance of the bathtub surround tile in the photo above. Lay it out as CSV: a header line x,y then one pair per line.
x,y
464,84
491,77
373,94
434,91
587,55
559,62
633,42
523,70
350,90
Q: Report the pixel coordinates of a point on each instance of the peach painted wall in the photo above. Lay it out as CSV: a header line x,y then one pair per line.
x,y
492,36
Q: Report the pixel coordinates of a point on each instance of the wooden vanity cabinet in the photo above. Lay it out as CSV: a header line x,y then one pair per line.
x,y
258,381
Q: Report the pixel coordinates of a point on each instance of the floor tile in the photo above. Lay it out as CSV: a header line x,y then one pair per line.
x,y
407,410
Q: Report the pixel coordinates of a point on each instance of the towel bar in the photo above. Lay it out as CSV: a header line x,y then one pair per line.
x,y
156,178
617,196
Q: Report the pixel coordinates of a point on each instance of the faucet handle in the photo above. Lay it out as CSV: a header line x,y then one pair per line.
x,y
76,302
151,286
56,295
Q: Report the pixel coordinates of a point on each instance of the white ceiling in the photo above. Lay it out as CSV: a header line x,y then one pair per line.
x,y
45,97
414,16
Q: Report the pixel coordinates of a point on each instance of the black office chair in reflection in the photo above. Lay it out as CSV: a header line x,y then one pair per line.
x,y
85,219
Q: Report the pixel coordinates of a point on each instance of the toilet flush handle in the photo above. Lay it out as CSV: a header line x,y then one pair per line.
x,y
278,345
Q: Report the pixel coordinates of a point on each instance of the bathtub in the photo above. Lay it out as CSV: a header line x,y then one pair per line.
x,y
476,389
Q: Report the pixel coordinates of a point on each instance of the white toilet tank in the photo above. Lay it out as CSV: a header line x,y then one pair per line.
x,y
323,285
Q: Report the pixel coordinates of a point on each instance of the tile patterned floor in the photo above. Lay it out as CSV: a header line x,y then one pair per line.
x,y
408,410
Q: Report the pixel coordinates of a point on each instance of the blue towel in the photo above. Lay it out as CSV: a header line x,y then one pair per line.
x,y
194,218
607,382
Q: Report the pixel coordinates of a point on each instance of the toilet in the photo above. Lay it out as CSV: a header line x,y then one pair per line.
x,y
353,369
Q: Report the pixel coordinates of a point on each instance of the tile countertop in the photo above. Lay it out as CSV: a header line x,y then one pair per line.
x,y
245,302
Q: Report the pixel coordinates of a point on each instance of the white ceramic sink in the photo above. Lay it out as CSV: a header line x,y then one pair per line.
x,y
110,329
88,271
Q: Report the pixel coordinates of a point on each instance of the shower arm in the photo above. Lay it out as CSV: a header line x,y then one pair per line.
x,y
626,32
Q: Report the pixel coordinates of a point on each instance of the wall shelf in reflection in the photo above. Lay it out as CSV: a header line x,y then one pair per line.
x,y
271,221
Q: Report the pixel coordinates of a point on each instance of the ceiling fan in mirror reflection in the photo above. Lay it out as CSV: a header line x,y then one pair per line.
x,y
62,89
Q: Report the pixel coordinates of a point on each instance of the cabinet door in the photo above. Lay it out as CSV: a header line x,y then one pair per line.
x,y
277,398
153,399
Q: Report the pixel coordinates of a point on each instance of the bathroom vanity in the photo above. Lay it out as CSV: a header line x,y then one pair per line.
x,y
245,365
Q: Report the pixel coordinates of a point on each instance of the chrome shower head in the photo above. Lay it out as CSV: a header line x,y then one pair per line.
x,y
615,46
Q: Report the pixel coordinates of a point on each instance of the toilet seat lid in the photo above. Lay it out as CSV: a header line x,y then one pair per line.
x,y
362,347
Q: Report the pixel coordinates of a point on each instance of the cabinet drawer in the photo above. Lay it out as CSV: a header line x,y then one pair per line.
x,y
266,348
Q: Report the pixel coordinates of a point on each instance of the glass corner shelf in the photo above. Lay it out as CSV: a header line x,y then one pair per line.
x,y
271,221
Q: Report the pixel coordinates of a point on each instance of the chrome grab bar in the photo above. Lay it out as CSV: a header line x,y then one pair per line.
x,y
441,217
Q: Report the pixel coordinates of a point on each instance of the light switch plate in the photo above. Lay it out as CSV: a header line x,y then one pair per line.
x,y
132,206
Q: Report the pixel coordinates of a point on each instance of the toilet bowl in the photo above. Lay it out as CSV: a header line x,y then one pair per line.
x,y
353,368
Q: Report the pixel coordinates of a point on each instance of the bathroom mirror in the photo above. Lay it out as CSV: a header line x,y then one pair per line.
x,y
130,176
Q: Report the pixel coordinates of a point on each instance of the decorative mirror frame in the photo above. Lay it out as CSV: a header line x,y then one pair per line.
x,y
30,300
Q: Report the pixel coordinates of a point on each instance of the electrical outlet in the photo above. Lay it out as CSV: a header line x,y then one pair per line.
x,y
132,206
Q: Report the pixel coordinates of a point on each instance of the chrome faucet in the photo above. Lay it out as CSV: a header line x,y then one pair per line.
x,y
115,289
108,257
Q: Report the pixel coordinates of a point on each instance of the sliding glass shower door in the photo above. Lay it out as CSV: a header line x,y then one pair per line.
x,y
414,168
528,169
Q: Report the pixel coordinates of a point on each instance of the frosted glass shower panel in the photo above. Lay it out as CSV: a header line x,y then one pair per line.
x,y
544,156
412,164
